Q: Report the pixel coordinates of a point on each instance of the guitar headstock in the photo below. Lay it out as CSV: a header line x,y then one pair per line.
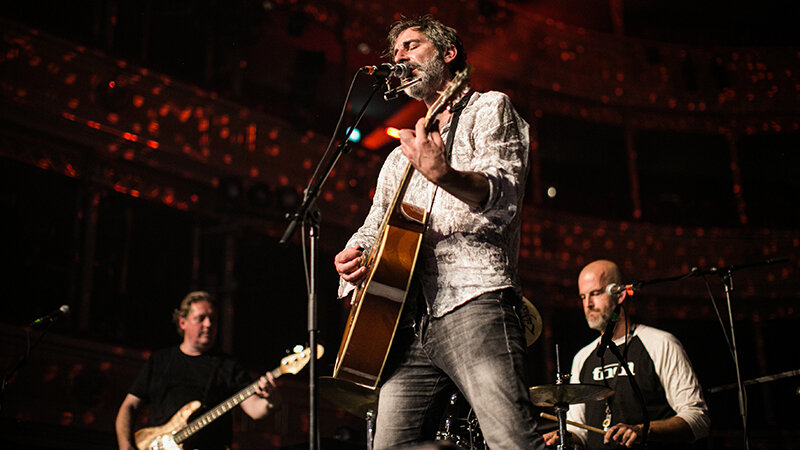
x,y
454,89
295,362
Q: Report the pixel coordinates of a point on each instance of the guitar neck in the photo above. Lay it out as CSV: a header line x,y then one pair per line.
x,y
217,411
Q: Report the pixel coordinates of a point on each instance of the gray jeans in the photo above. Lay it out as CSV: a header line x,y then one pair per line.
x,y
478,348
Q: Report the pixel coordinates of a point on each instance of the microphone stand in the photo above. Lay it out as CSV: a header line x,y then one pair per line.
x,y
607,341
309,216
727,280
21,360
612,347
726,276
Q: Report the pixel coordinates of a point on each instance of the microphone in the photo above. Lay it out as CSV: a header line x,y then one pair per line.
x,y
52,317
615,289
385,70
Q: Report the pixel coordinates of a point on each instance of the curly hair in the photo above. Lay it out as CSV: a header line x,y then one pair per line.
x,y
186,305
438,33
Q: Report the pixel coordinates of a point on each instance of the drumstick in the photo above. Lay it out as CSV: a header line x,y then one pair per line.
x,y
577,424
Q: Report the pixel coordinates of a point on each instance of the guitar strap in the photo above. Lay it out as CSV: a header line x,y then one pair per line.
x,y
451,133
455,110
214,368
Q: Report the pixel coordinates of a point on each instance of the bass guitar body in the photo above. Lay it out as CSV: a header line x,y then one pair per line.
x,y
161,437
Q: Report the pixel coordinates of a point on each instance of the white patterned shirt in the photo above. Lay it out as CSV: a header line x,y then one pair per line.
x,y
465,251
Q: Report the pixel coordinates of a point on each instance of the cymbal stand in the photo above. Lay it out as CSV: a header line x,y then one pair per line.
x,y
562,407
370,418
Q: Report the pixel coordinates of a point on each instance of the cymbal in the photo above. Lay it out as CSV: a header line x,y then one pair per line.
x,y
351,397
532,321
552,394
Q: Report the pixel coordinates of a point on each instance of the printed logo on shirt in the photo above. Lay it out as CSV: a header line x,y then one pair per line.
x,y
611,371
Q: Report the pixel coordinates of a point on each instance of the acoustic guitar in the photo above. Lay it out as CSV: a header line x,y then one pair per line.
x,y
172,434
377,303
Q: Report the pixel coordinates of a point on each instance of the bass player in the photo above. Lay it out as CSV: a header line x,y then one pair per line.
x,y
192,371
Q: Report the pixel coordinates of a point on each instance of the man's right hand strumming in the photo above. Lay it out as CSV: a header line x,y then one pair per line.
x,y
348,264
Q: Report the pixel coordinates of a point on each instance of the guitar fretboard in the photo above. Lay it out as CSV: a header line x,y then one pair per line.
x,y
214,413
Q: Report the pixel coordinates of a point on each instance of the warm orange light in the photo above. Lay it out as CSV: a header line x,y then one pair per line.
x,y
70,170
185,114
393,132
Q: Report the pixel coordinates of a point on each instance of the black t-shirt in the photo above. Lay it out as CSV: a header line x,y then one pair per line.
x,y
170,379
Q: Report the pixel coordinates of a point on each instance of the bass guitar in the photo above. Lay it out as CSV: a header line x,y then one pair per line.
x,y
172,434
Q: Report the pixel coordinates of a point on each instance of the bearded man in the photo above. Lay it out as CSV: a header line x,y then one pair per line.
x,y
460,327
658,363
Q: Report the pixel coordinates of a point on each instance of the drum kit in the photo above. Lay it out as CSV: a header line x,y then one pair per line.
x,y
459,425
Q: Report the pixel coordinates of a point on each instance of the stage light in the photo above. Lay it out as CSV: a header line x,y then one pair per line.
x,y
393,132
355,136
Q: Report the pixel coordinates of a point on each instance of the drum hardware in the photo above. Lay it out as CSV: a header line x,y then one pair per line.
x,y
459,425
544,415
562,394
356,399
569,394
531,321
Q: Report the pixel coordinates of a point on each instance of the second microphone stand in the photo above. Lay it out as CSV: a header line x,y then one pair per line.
x,y
308,216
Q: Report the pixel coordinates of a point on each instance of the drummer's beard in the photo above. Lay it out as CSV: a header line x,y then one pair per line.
x,y
600,320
